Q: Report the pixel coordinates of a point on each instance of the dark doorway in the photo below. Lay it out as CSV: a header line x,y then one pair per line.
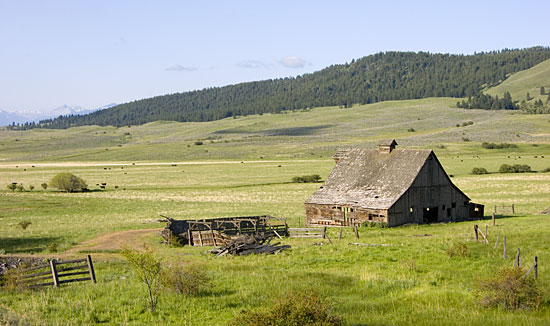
x,y
430,214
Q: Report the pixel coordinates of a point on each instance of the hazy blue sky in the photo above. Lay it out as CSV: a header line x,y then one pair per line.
x,y
91,53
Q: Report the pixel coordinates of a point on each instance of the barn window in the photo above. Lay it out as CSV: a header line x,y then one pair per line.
x,y
453,205
476,209
351,210
411,210
443,207
370,217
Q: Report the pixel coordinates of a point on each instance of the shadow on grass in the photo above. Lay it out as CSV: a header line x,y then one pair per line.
x,y
26,245
297,131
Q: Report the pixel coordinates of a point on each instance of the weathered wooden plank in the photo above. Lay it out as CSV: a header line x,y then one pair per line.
x,y
72,274
72,261
75,280
72,268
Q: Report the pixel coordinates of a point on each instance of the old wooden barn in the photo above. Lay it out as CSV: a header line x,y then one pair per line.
x,y
395,186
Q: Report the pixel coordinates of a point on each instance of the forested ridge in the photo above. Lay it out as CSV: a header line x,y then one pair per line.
x,y
374,78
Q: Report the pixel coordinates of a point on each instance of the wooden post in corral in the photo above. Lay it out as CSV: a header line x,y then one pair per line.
x,y
536,267
496,243
356,231
517,261
504,247
475,231
90,268
513,210
493,218
340,233
54,273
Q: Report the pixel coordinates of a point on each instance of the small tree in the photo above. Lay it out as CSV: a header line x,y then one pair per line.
x,y
12,186
479,171
44,186
20,187
542,90
68,182
148,268
31,187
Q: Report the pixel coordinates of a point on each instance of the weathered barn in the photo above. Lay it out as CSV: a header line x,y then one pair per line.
x,y
395,186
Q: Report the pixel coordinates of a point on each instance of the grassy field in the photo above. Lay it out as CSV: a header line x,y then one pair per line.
x,y
317,133
244,167
526,81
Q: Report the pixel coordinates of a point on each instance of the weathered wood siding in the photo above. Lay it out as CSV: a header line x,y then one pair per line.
x,y
342,215
433,190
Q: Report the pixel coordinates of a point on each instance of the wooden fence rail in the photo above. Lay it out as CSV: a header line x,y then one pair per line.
x,y
59,272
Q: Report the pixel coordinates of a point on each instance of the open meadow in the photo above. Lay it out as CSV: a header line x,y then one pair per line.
x,y
408,276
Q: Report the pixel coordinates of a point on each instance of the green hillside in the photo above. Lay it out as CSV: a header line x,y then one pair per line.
x,y
523,82
314,133
375,78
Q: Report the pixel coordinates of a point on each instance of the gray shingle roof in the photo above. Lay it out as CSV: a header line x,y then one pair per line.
x,y
369,179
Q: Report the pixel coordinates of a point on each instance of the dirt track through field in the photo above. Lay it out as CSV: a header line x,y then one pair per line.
x,y
115,241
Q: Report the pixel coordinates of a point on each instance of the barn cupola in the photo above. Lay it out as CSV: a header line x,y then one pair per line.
x,y
385,146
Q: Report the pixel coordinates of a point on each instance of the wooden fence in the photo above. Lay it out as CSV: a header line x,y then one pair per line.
x,y
510,209
517,258
59,272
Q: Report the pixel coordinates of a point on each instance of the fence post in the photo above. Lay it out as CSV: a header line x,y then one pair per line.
x,y
475,231
517,262
493,218
513,211
486,234
340,234
496,243
54,273
504,247
91,268
356,231
536,267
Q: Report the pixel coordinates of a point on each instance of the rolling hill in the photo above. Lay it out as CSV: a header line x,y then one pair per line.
x,y
526,81
375,78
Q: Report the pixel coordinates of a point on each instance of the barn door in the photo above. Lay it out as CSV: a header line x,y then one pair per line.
x,y
429,214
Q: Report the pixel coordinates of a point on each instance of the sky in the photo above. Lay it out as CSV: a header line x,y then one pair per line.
x,y
92,53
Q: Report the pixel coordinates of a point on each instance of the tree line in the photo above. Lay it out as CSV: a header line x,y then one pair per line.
x,y
374,78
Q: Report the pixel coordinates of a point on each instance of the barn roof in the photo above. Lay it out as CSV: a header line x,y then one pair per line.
x,y
369,179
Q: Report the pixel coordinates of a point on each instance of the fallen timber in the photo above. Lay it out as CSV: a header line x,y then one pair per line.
x,y
249,244
218,231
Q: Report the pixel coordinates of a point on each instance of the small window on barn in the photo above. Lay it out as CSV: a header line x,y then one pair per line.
x,y
351,210
376,196
443,207
453,205
370,217
411,210
476,209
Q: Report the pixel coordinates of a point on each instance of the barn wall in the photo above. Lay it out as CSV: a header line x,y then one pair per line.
x,y
430,190
338,215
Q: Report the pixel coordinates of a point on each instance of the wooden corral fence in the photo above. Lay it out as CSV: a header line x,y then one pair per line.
x,y
510,209
217,231
517,258
59,272
309,233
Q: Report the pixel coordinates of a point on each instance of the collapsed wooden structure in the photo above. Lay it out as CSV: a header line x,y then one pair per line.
x,y
249,244
219,231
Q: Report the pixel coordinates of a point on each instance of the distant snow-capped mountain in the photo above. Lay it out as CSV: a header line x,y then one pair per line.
x,y
7,118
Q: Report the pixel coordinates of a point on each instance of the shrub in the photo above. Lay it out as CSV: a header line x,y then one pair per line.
x,y
545,170
457,248
20,187
479,171
31,187
148,268
509,290
68,182
44,186
24,224
198,143
373,224
12,186
498,146
516,168
411,130
189,280
292,309
307,179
